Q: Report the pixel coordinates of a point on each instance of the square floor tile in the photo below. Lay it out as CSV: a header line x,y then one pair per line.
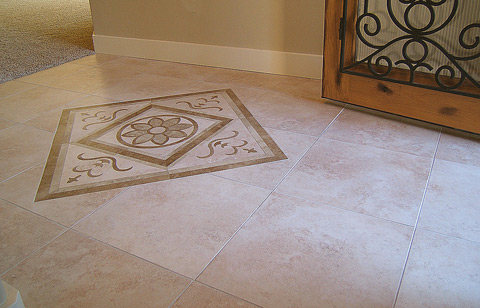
x,y
179,224
21,190
293,253
15,242
12,87
22,147
145,86
294,113
50,75
201,296
363,179
441,272
135,142
31,103
74,271
269,175
384,131
452,202
459,147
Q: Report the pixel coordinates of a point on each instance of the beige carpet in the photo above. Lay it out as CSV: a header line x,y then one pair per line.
x,y
38,34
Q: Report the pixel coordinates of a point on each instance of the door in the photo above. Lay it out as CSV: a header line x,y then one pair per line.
x,y
415,58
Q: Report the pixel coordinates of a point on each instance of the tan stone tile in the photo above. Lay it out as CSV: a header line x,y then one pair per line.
x,y
137,65
22,233
367,180
246,79
49,120
186,71
95,59
292,113
441,272
459,147
31,103
90,100
50,75
12,87
74,271
179,224
294,253
6,123
22,188
202,296
301,87
21,147
93,79
145,86
268,175
452,201
244,94
380,130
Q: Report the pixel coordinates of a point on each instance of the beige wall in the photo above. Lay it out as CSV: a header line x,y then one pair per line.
x,y
294,26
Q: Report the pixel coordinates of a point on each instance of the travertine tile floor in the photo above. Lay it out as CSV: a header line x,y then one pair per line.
x,y
369,210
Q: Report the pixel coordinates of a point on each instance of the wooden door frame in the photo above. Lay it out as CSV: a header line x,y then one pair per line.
x,y
433,106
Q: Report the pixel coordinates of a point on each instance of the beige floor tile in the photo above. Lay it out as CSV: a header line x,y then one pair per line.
x,y
187,71
459,147
380,130
90,100
22,147
93,79
294,253
268,175
137,65
49,120
246,79
12,87
296,114
452,201
442,272
22,188
50,75
6,124
363,179
301,87
201,296
178,224
31,103
15,243
245,95
74,271
146,86
95,59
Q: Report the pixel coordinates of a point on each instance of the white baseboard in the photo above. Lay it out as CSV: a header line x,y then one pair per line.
x,y
265,61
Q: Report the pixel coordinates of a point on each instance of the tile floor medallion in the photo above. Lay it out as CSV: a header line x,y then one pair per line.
x,y
134,142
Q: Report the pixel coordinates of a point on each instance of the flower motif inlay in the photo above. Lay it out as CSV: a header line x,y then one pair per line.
x,y
157,131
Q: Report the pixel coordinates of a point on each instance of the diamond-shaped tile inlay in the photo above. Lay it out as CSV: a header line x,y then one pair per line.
x,y
135,142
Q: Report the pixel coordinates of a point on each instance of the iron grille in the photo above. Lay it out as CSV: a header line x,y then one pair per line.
x,y
401,41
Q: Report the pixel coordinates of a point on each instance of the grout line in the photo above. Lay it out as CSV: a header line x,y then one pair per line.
x,y
25,170
22,91
130,254
268,196
34,252
180,295
416,221
100,207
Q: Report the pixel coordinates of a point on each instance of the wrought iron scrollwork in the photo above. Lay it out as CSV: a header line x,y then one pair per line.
x,y
419,36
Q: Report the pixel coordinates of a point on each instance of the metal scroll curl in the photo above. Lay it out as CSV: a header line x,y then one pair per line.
x,y
417,41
